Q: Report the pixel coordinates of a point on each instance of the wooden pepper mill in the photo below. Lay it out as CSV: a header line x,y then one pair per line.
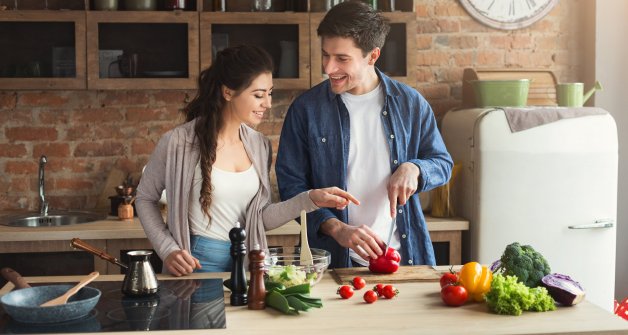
x,y
237,236
125,209
257,290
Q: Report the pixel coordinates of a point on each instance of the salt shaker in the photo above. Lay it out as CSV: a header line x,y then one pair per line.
x,y
237,236
257,290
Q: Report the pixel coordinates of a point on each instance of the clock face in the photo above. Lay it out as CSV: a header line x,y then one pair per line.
x,y
508,14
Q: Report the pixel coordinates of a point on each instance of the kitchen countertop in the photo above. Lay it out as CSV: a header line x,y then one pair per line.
x,y
417,309
113,228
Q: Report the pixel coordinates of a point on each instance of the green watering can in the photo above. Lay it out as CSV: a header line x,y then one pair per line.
x,y
571,94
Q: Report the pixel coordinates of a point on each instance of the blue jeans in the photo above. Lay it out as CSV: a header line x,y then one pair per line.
x,y
214,255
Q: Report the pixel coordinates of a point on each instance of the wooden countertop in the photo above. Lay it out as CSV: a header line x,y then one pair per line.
x,y
112,228
417,309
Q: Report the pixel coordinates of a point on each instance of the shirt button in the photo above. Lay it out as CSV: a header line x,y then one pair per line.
x,y
403,235
410,261
392,136
323,140
395,161
400,211
385,113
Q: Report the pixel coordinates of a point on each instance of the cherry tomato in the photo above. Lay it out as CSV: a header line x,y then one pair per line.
x,y
454,295
345,291
379,289
389,292
370,296
448,278
358,283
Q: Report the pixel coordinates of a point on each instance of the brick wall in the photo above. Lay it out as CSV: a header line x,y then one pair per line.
x,y
89,134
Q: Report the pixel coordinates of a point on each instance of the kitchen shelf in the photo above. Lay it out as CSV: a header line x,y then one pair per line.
x,y
165,42
267,31
42,49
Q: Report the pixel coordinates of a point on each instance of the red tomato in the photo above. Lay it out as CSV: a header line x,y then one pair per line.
x,y
358,283
448,279
454,295
345,291
370,296
389,292
379,289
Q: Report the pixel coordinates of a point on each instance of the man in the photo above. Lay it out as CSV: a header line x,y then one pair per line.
x,y
366,133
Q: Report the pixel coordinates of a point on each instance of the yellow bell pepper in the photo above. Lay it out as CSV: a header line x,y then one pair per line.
x,y
476,279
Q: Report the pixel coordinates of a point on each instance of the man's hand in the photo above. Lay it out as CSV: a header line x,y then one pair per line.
x,y
333,197
180,263
360,239
402,185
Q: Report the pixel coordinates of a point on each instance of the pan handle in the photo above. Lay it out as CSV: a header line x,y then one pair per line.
x,y
77,243
14,277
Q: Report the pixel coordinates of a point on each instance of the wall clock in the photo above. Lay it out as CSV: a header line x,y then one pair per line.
x,y
508,14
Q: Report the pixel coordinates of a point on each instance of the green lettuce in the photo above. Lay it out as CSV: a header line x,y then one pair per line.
x,y
509,296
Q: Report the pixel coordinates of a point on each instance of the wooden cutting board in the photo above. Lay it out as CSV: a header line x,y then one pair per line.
x,y
405,274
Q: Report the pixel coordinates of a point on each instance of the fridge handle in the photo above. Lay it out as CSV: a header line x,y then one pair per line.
x,y
602,223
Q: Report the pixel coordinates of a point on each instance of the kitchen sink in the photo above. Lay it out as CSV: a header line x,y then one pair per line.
x,y
53,218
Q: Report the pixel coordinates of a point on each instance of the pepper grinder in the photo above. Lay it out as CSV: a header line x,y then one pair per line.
x,y
257,290
238,276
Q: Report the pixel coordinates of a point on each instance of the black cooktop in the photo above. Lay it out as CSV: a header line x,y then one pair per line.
x,y
179,304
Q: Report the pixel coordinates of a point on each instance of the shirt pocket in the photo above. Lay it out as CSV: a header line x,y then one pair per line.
x,y
325,150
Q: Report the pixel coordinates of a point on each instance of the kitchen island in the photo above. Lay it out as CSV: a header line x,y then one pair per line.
x,y
417,310
114,236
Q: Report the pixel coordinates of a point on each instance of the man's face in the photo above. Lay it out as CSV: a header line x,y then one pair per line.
x,y
347,68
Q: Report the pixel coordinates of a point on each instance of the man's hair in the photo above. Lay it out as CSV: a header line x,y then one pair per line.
x,y
356,20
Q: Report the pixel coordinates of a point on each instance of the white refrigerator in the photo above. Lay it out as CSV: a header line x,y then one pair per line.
x,y
553,187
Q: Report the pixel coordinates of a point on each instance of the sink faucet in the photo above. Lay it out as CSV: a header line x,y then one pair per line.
x,y
43,204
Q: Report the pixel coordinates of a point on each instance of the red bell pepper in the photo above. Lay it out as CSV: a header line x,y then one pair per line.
x,y
387,263
621,309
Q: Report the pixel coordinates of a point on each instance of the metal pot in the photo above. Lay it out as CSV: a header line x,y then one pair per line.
x,y
140,4
139,279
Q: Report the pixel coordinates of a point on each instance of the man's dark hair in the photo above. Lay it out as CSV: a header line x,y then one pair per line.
x,y
357,20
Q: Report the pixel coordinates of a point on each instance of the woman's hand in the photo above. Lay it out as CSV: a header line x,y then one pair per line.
x,y
181,263
332,197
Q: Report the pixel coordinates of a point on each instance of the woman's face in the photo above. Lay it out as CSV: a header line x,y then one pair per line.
x,y
250,104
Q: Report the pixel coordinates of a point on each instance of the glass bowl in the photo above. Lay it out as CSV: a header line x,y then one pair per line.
x,y
283,265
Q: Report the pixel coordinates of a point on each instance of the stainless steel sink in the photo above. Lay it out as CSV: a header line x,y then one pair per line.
x,y
54,218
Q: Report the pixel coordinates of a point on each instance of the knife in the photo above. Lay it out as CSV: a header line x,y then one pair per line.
x,y
14,277
390,233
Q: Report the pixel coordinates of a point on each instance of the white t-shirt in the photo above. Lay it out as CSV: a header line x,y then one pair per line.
x,y
368,169
232,192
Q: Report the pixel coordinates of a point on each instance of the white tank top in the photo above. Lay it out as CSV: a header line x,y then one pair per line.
x,y
368,168
231,195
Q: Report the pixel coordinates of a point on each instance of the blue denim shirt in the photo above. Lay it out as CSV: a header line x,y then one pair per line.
x,y
314,150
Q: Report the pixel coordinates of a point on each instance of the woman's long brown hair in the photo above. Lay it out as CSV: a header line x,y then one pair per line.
x,y
235,68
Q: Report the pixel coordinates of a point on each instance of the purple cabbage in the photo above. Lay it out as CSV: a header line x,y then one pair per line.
x,y
563,289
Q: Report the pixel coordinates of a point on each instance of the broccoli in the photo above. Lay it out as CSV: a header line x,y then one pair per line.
x,y
527,264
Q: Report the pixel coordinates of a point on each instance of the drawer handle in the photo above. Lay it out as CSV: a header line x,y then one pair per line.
x,y
603,223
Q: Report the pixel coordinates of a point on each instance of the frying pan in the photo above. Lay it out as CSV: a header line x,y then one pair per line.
x,y
23,304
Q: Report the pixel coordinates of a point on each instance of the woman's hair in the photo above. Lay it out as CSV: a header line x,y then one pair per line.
x,y
356,20
235,68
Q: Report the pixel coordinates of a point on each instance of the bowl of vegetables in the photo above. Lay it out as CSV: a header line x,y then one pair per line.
x,y
283,266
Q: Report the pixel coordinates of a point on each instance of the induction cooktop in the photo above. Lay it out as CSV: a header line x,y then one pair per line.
x,y
177,305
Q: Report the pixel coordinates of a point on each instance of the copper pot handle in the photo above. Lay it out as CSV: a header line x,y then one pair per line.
x,y
77,243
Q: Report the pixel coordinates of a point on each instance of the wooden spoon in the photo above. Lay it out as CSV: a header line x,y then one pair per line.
x,y
64,298
306,253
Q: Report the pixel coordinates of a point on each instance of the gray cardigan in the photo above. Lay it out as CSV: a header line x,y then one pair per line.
x,y
171,167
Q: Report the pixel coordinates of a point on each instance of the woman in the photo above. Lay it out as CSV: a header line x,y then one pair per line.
x,y
215,169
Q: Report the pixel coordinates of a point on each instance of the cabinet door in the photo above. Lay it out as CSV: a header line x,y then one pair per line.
x,y
142,50
397,59
42,49
284,35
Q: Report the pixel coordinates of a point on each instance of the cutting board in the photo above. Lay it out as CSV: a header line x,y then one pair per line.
x,y
405,274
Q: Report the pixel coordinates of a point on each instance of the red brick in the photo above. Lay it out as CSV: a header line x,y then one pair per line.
x,y
73,184
65,202
421,10
51,150
546,42
427,27
470,25
42,99
31,134
498,42
147,114
82,132
8,100
124,98
107,148
449,75
424,75
434,91
521,42
109,131
463,42
131,166
142,147
491,58
54,116
438,58
72,165
97,115
449,9
423,42
13,150
18,116
21,167
177,98
20,184
464,58
448,26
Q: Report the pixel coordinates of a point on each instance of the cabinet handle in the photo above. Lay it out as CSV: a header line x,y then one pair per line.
x,y
602,223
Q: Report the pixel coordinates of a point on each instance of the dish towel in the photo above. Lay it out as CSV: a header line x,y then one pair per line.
x,y
522,118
